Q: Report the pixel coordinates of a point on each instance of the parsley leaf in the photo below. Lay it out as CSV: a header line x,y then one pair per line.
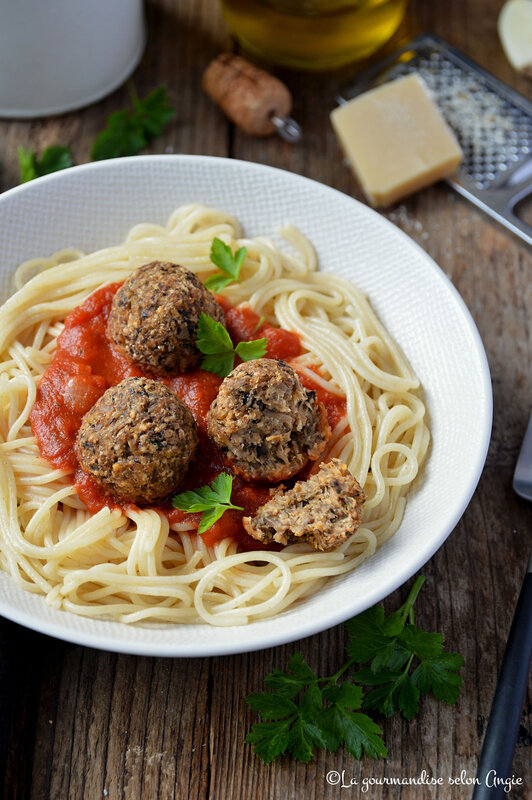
x,y
211,500
439,675
216,345
28,164
153,112
374,638
424,645
357,732
53,159
299,732
302,737
271,706
292,682
399,694
361,733
128,132
304,711
121,137
222,256
220,364
249,351
270,739
213,338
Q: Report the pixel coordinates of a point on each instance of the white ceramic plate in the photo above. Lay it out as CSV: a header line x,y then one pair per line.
x,y
94,205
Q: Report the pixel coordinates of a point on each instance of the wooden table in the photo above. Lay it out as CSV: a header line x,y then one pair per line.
x,y
87,724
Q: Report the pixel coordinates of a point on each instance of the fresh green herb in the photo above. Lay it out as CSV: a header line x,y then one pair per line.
x,y
53,159
216,345
303,711
222,256
212,500
127,132
299,727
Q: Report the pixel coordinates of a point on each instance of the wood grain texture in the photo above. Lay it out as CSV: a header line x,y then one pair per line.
x,y
86,724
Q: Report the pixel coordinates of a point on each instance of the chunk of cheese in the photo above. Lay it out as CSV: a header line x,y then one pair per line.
x,y
396,140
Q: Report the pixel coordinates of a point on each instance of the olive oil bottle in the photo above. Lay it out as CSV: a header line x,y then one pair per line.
x,y
313,34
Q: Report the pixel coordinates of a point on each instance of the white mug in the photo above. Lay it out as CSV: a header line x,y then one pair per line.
x,y
59,55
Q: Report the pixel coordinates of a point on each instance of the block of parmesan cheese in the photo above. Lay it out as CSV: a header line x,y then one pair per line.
x,y
396,140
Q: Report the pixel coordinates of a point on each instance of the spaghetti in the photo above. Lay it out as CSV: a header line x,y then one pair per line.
x,y
133,565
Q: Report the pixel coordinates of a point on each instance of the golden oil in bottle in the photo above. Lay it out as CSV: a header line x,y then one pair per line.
x,y
313,34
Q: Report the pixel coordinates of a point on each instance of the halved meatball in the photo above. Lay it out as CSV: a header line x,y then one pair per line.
x,y
266,424
323,511
137,440
155,313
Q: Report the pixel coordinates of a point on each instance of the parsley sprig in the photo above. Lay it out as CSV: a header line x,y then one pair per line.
x,y
125,134
300,726
302,711
213,501
222,256
216,345
128,132
53,159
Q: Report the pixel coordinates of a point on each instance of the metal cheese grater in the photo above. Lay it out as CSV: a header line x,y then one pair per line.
x,y
492,122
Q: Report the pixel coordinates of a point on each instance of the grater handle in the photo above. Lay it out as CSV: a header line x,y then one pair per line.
x,y
500,205
518,193
520,228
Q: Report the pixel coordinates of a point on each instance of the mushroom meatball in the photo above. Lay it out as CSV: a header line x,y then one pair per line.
x,y
266,424
155,313
323,511
137,440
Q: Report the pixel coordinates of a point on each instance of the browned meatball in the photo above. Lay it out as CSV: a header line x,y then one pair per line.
x,y
155,313
265,423
323,511
137,440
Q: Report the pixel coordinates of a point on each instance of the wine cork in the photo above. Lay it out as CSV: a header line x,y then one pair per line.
x,y
247,94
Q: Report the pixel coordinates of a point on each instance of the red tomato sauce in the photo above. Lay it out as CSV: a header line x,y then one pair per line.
x,y
86,363
336,407
244,324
